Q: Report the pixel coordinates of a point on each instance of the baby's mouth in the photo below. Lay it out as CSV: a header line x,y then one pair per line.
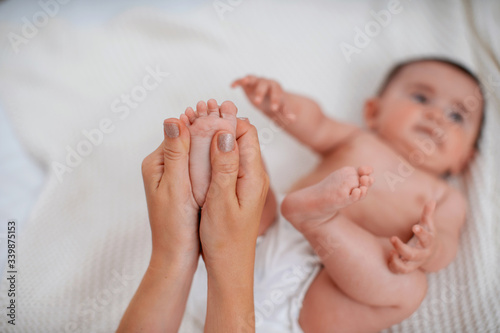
x,y
436,134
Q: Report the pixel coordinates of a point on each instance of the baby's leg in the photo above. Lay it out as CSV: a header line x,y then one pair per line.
x,y
203,124
356,291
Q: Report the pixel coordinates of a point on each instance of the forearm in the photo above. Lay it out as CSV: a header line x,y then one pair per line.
x,y
230,306
159,302
308,119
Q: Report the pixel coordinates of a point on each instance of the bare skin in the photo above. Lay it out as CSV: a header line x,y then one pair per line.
x,y
203,123
226,230
376,251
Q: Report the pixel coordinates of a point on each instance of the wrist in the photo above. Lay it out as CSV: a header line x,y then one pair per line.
x,y
174,263
230,305
231,277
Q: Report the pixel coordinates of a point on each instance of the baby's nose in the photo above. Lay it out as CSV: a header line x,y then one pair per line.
x,y
434,113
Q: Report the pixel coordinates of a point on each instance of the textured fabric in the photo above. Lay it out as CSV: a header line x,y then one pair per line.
x,y
87,243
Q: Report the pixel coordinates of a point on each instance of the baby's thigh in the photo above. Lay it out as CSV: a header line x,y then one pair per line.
x,y
326,308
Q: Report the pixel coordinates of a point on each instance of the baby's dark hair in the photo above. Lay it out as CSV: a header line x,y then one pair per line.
x,y
398,67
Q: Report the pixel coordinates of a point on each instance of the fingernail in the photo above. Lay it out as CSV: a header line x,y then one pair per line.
x,y
171,130
225,142
244,119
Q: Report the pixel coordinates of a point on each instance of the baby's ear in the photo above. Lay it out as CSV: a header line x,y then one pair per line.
x,y
371,112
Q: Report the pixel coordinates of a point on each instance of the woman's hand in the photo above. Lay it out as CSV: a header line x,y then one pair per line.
x,y
159,302
231,215
229,224
173,212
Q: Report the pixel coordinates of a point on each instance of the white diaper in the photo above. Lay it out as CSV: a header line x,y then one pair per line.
x,y
285,266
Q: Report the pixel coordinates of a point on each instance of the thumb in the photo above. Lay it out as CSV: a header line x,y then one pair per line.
x,y
224,158
175,151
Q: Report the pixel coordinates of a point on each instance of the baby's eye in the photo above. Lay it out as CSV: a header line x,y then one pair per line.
x,y
456,116
419,98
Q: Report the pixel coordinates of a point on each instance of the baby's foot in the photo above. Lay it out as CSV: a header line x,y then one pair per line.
x,y
321,202
203,124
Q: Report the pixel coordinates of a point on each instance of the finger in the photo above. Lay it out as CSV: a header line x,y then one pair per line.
x,y
427,220
253,182
276,95
175,150
237,83
407,252
261,91
288,116
397,265
424,237
224,158
251,80
245,81
152,169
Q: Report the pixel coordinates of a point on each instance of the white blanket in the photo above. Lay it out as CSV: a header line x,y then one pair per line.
x,y
87,244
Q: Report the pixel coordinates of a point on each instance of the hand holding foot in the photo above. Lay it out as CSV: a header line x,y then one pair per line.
x,y
173,212
229,224
411,256
173,216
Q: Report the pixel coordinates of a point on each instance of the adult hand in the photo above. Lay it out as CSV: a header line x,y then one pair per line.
x,y
228,228
173,212
159,302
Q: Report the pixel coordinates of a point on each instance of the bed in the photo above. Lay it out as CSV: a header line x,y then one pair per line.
x,y
84,239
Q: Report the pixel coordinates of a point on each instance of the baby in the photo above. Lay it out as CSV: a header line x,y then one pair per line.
x,y
374,252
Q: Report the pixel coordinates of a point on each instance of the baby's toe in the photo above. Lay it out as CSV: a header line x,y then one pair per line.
x,y
364,190
190,114
365,180
185,119
201,109
228,110
355,194
365,170
213,108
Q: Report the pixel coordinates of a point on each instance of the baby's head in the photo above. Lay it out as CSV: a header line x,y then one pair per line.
x,y
431,112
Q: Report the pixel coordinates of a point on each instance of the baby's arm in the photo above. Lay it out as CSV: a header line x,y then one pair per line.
x,y
298,115
435,243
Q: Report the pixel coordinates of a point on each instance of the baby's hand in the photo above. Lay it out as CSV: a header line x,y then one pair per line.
x,y
408,257
267,95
